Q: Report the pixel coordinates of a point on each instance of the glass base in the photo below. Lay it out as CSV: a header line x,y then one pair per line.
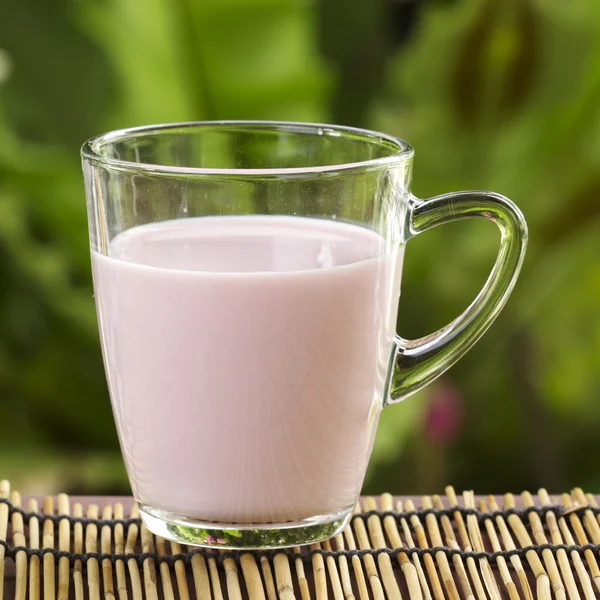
x,y
241,536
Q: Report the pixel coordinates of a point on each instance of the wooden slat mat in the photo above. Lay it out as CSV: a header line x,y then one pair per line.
x,y
434,547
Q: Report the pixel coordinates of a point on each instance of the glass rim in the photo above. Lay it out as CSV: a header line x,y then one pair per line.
x,y
90,151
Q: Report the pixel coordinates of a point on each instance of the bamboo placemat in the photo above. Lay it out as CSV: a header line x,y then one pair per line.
x,y
431,548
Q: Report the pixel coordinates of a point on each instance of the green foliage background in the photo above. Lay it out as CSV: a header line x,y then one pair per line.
x,y
494,95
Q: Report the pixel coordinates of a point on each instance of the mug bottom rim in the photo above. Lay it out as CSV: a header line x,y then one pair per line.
x,y
242,536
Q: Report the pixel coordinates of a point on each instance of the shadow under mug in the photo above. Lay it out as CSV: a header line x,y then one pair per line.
x,y
247,277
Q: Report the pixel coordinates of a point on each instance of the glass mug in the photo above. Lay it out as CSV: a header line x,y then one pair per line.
x,y
247,277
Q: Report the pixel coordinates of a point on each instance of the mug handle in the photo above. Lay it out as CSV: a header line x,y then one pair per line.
x,y
415,363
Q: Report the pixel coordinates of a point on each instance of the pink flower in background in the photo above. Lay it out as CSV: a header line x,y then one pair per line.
x,y
443,415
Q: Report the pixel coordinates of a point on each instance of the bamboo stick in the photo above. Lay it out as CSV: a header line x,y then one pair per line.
x,y
457,560
267,572
334,575
78,549
415,559
507,580
557,538
48,542
180,572
345,578
215,581
465,543
593,502
91,547
4,493
391,529
252,577
105,548
346,540
200,576
539,535
132,566
589,519
509,545
478,545
165,572
283,577
360,534
34,544
581,536
442,560
149,566
301,575
542,579
319,574
384,562
232,580
64,545
419,531
18,540
120,549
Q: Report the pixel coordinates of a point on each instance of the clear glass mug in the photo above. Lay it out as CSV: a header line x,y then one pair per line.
x,y
247,277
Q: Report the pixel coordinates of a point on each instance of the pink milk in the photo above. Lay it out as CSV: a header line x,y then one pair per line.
x,y
246,359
